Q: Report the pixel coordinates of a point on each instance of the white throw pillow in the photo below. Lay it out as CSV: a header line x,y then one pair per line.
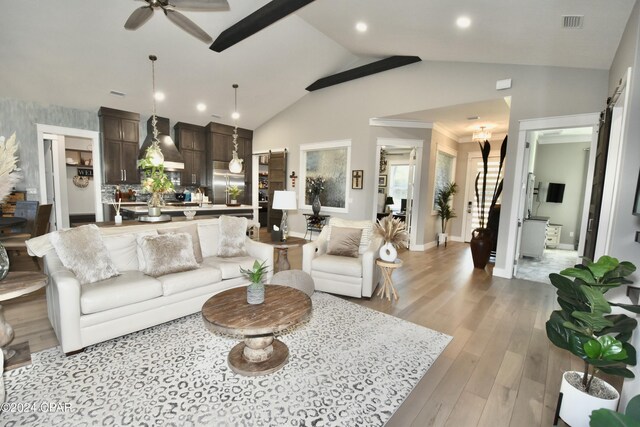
x,y
123,251
139,237
167,253
191,230
233,232
82,251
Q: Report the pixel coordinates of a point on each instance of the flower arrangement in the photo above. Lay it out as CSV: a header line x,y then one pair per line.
x,y
392,230
156,181
9,172
315,185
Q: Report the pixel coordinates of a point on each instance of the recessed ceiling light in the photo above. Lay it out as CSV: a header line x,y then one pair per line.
x,y
235,115
159,96
463,22
361,26
201,107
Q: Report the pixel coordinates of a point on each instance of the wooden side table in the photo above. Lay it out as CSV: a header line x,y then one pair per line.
x,y
387,268
17,284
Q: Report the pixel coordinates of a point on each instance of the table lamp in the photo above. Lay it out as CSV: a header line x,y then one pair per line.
x,y
285,200
388,202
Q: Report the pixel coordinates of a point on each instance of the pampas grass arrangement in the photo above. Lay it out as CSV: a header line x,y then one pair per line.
x,y
9,173
392,230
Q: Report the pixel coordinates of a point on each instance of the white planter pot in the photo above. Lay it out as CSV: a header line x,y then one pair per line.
x,y
576,406
388,252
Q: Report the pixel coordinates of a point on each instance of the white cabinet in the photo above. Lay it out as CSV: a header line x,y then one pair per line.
x,y
534,236
553,235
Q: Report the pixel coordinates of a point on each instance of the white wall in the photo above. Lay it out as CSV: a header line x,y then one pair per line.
x,y
564,163
343,112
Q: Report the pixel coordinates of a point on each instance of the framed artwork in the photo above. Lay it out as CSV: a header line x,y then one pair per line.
x,y
357,177
445,170
329,163
380,190
382,180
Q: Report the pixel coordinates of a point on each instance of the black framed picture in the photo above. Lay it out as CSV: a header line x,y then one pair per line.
x,y
382,180
357,178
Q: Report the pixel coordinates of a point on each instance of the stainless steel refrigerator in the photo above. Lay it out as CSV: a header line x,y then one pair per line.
x,y
223,178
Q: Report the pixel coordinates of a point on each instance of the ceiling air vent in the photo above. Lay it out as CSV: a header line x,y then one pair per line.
x,y
117,93
572,21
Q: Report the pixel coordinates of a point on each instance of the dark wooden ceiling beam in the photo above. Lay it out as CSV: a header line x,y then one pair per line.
x,y
362,71
258,20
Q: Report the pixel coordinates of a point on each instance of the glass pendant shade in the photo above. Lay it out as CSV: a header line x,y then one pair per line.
x,y
235,165
154,154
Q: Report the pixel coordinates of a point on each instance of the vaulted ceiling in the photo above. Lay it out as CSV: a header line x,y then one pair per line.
x,y
74,52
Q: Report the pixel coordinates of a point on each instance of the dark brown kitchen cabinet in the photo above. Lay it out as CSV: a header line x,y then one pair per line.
x,y
120,141
191,141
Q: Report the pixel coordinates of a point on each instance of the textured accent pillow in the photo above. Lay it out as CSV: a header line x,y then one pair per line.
x,y
139,237
191,230
233,232
167,253
82,251
365,225
344,241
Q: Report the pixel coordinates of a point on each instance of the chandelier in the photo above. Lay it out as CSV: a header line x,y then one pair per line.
x,y
235,165
481,135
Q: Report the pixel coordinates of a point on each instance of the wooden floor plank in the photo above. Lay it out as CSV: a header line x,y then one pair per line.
x,y
527,410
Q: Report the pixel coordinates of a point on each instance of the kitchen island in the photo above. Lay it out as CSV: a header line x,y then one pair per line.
x,y
134,211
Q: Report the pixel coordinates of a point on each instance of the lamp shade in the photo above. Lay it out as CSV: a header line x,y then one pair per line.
x,y
285,200
389,201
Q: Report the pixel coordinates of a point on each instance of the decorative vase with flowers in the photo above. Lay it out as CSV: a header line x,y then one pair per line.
x,y
394,233
315,186
255,290
155,180
9,176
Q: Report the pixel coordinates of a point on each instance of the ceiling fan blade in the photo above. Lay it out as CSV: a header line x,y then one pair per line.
x,y
201,5
188,25
138,17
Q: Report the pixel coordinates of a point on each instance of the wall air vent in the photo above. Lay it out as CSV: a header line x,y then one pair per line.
x,y
118,93
572,21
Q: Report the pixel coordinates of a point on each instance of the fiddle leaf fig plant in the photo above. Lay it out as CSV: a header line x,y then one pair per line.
x,y
584,324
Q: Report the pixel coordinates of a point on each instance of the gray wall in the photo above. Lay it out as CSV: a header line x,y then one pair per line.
x,y
343,111
21,117
565,164
625,224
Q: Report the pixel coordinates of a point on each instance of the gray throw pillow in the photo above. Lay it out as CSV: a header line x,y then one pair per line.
x,y
191,230
167,253
344,241
233,232
82,251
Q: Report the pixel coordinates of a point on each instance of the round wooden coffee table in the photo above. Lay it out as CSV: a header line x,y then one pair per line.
x,y
260,353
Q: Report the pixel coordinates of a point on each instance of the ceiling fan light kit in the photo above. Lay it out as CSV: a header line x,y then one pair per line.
x,y
141,15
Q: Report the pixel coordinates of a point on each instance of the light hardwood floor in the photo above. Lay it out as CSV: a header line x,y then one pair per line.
x,y
499,370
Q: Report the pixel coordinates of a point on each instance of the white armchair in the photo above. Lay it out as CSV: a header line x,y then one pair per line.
x,y
354,277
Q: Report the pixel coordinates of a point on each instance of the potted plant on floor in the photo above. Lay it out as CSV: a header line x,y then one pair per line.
x,y
255,290
394,233
445,211
482,238
585,326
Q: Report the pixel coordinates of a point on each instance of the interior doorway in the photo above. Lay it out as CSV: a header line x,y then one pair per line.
x,y
62,152
398,182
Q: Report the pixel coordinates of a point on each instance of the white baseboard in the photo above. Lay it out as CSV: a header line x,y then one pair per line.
x,y
296,234
566,246
456,238
502,272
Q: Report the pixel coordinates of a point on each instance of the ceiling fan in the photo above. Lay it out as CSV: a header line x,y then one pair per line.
x,y
142,14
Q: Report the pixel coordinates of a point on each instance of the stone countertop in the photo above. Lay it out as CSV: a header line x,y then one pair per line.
x,y
204,208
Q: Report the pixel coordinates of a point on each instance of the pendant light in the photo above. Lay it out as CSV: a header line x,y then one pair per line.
x,y
235,165
154,154
481,135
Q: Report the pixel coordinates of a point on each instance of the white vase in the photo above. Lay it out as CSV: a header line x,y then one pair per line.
x,y
117,219
388,252
576,406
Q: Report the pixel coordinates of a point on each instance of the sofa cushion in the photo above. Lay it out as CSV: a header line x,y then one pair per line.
x,y
123,251
191,230
178,282
344,241
341,265
233,231
82,251
128,288
167,253
229,267
209,238
139,236
365,225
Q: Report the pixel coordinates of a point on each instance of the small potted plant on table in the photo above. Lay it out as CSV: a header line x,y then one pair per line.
x,y
585,326
234,192
255,290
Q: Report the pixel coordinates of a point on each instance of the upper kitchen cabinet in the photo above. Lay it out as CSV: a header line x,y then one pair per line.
x,y
191,141
120,141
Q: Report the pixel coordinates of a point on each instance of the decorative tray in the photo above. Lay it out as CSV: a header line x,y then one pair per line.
x,y
233,205
161,218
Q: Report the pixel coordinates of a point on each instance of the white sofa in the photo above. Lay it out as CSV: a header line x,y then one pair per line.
x,y
354,277
82,315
